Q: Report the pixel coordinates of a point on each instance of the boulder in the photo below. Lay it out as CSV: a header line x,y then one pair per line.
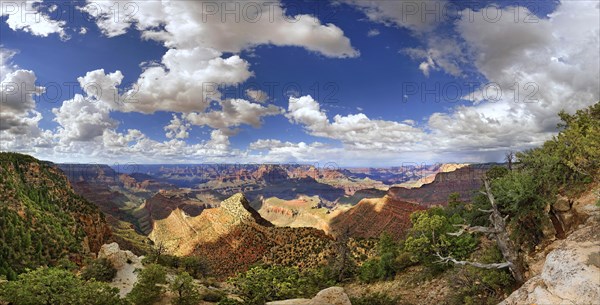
x,y
116,256
329,296
568,220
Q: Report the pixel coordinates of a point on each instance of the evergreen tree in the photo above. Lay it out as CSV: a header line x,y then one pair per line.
x,y
185,290
148,288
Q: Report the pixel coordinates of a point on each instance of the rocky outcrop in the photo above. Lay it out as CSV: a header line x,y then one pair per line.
x,y
115,255
571,270
142,182
234,236
427,179
90,173
329,296
571,275
303,211
362,194
126,263
239,207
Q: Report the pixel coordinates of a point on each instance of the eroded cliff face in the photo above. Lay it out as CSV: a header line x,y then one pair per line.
x,y
373,216
464,180
304,211
567,271
234,236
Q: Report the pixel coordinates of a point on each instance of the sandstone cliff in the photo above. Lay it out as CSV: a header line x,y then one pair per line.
x,y
303,211
373,216
464,180
234,236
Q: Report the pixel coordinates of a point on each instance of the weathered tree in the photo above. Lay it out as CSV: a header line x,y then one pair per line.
x,y
498,229
158,250
509,157
341,261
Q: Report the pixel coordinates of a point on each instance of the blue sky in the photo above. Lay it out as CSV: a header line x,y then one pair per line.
x,y
358,83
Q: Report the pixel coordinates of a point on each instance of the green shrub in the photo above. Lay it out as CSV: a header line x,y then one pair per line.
x,y
196,266
319,278
100,269
66,264
57,286
369,271
228,301
147,289
262,284
213,296
403,261
482,286
185,290
429,236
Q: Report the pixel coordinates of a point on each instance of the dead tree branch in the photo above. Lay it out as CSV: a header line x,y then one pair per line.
x,y
469,229
474,264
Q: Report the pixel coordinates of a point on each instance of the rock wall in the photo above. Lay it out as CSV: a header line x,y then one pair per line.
x,y
373,216
465,181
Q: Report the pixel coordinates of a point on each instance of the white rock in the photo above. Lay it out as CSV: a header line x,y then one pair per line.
x,y
571,275
329,296
126,275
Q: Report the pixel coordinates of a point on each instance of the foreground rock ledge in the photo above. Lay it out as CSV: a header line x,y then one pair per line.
x,y
329,296
571,273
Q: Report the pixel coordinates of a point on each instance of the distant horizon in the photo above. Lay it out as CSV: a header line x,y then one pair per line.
x,y
317,164
323,166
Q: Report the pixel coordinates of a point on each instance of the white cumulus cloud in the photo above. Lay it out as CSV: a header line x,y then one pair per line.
x,y
356,131
229,26
26,16
233,113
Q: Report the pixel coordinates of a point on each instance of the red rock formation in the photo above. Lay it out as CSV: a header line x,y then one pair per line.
x,y
466,181
271,173
373,216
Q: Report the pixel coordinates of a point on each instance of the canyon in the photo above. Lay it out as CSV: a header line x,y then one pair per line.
x,y
238,215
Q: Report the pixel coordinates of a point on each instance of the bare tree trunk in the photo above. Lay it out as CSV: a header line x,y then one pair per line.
x,y
505,244
343,253
509,158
